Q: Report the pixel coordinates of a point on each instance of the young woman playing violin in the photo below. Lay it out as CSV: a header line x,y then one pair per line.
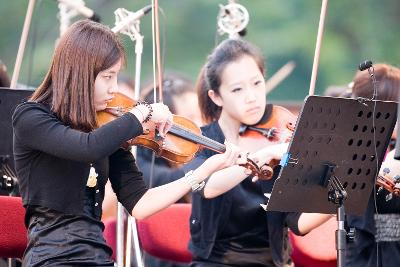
x,y
63,160
228,226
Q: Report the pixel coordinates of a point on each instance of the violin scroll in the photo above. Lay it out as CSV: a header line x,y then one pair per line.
x,y
264,172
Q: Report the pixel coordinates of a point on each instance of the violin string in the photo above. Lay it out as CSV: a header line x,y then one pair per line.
x,y
209,143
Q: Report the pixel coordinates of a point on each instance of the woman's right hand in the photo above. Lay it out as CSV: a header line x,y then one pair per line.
x,y
161,117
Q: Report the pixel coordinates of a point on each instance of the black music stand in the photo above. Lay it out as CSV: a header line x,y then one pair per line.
x,y
332,161
9,99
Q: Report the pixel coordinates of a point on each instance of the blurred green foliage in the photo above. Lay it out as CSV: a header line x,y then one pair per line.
x,y
285,30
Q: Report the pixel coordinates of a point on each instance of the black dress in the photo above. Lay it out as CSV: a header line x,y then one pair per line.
x,y
53,162
365,251
232,229
57,239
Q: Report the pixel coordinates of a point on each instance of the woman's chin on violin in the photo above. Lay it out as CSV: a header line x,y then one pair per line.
x,y
255,111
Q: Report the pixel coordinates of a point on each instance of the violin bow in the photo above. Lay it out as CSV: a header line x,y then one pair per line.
x,y
318,47
22,43
157,64
279,76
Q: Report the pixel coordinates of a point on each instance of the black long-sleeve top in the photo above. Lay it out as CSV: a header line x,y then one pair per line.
x,y
211,221
53,160
162,173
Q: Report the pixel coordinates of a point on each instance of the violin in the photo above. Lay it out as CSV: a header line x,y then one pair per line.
x,y
180,144
389,177
276,126
388,182
277,122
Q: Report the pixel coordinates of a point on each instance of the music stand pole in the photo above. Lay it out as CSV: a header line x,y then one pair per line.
x,y
337,195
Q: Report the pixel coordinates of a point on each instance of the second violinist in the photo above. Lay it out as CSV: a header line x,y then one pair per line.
x,y
228,226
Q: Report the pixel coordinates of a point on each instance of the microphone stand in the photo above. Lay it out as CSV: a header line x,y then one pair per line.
x,y
232,19
131,29
65,15
70,9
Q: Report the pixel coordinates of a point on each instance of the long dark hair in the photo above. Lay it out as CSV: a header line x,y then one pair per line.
x,y
86,49
388,83
210,75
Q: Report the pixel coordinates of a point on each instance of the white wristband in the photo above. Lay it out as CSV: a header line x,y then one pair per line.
x,y
193,183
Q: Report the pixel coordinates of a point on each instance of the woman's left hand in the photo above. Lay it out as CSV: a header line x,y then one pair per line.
x,y
265,155
219,161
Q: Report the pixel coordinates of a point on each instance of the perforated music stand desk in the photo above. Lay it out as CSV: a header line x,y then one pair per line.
x,y
9,99
334,138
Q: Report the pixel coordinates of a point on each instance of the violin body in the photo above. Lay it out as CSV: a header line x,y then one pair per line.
x,y
390,183
276,126
389,177
173,148
181,142
277,123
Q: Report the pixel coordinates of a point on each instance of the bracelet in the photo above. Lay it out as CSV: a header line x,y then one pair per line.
x,y
148,106
193,183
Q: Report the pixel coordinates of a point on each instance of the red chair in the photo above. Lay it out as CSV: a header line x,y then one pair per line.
x,y
317,248
166,234
13,234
